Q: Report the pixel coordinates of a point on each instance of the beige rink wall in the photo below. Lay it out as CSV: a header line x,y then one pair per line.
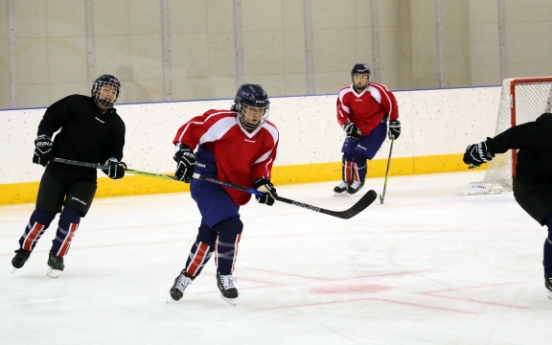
x,y
435,124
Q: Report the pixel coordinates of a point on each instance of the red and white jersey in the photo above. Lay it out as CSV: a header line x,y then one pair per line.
x,y
366,109
241,156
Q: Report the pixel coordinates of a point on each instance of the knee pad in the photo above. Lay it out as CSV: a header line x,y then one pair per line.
x,y
206,235
69,215
43,217
359,159
229,226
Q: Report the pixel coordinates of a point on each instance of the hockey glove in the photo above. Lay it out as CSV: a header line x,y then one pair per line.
x,y
394,129
115,169
477,154
264,185
352,131
43,150
185,163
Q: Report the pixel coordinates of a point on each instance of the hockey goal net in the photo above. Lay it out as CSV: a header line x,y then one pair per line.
x,y
522,100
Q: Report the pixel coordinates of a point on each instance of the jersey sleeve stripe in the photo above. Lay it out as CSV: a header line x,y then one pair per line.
x,y
218,129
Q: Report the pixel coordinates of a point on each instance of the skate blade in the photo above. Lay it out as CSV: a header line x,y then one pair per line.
x,y
341,195
550,295
52,273
14,269
231,301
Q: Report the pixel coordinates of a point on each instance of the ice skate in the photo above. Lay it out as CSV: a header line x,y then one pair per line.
x,y
354,187
55,266
548,284
180,283
341,190
228,291
21,256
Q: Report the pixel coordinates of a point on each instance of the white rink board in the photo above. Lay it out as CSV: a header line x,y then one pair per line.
x,y
434,122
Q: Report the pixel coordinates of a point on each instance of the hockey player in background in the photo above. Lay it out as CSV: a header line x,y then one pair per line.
x,y
533,173
238,146
90,130
363,109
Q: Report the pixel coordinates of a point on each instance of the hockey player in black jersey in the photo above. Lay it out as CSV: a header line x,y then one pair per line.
x,y
90,130
533,173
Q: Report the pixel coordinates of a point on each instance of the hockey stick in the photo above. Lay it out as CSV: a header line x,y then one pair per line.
x,y
81,164
99,166
382,196
366,200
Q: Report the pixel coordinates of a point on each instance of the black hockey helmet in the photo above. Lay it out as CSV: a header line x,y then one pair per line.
x,y
360,69
251,96
109,80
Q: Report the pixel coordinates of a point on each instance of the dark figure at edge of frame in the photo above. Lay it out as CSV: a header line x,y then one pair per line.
x,y
90,130
363,109
533,173
239,146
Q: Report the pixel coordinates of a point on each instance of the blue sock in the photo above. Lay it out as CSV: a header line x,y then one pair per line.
x,y
347,168
201,251
547,252
68,224
361,166
229,234
39,222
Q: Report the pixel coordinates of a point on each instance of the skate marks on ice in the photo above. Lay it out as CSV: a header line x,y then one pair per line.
x,y
427,267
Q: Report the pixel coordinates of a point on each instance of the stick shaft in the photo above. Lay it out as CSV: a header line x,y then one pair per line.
x,y
99,166
81,164
358,207
382,197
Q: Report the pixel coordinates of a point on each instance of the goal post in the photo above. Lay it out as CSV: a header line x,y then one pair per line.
x,y
522,100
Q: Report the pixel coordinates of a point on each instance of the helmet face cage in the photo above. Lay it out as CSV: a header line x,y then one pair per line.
x,y
252,117
252,105
105,80
360,69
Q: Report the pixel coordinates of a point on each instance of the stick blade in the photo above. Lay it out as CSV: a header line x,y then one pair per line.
x,y
366,200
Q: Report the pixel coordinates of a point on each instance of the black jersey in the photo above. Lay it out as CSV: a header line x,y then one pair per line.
x,y
86,134
534,141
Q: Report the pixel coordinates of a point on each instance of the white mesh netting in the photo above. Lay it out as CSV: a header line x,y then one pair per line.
x,y
533,96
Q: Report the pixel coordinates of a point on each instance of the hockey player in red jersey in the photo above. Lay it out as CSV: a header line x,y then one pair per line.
x,y
363,109
238,146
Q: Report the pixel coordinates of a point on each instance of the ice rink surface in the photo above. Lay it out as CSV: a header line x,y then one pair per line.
x,y
427,267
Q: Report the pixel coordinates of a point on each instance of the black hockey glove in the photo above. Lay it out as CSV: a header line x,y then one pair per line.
x,y
394,129
352,131
43,150
264,185
185,163
477,154
115,169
